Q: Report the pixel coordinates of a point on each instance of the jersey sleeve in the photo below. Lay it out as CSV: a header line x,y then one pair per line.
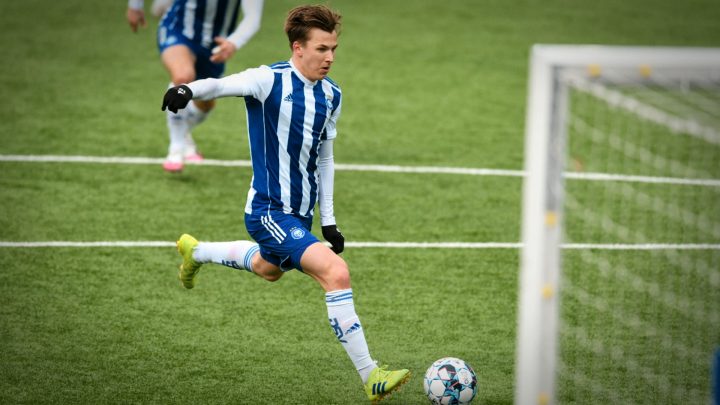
x,y
250,24
326,171
255,82
331,128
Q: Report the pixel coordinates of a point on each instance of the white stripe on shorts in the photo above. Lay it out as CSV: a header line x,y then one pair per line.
x,y
273,228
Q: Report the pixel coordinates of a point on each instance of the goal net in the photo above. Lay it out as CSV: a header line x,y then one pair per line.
x,y
620,267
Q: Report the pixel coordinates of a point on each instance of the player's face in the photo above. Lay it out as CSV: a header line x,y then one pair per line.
x,y
315,57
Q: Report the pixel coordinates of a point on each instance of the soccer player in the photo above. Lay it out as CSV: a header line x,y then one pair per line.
x,y
194,40
292,112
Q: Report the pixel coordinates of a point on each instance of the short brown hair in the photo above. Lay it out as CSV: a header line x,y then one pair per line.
x,y
302,18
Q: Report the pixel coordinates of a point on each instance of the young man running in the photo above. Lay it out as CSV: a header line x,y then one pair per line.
x,y
292,110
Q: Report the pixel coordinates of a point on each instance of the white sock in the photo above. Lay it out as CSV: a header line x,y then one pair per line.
x,y
177,127
347,328
195,114
237,255
194,117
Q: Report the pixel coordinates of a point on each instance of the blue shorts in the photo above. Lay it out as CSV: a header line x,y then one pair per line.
x,y
282,237
204,68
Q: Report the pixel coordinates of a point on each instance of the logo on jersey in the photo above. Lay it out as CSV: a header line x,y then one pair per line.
x,y
297,233
288,98
329,104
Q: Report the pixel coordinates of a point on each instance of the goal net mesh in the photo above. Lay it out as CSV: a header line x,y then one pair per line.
x,y
639,318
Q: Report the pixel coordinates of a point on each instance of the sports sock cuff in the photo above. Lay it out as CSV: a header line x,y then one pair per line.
x,y
247,261
339,297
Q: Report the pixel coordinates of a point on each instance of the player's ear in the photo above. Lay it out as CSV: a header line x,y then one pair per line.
x,y
297,48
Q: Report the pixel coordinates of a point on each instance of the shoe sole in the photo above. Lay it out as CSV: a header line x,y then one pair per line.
x,y
191,283
394,389
188,286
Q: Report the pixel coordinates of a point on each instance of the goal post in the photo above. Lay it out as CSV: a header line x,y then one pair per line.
x,y
603,114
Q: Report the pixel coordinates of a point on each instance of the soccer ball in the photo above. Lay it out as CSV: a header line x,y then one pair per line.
x,y
450,381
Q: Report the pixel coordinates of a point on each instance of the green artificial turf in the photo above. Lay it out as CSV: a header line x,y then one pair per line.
x,y
425,83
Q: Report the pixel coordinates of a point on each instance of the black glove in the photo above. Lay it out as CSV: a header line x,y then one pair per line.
x,y
177,98
332,234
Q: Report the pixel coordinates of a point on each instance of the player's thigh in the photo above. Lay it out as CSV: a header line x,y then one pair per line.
x,y
179,61
326,267
282,237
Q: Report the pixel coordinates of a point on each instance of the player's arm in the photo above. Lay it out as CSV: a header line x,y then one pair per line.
x,y
326,171
249,26
256,82
136,14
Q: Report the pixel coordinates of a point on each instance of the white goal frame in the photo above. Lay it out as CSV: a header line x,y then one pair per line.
x,y
542,218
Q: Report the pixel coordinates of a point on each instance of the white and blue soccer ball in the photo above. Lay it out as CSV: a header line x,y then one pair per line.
x,y
450,381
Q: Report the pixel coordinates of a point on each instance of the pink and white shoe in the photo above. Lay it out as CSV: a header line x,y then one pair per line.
x,y
173,163
173,167
194,157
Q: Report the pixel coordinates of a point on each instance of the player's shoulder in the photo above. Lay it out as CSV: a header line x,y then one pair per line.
x,y
280,66
331,83
260,73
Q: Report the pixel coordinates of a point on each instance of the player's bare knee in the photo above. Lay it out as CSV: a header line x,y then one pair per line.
x,y
340,274
183,77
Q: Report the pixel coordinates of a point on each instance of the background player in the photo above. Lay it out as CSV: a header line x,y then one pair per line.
x,y
293,110
194,40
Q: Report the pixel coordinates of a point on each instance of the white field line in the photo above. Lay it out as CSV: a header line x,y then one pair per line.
x,y
367,168
247,163
396,245
641,179
87,244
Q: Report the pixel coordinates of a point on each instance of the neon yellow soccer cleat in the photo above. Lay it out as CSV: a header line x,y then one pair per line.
x,y
382,383
189,267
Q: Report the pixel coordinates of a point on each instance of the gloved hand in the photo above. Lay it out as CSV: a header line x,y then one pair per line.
x,y
332,234
177,98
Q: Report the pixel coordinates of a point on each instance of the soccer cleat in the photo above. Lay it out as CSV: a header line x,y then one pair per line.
x,y
173,163
194,157
172,167
190,152
189,267
382,382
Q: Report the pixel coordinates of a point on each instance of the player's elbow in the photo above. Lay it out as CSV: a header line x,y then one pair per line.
x,y
323,163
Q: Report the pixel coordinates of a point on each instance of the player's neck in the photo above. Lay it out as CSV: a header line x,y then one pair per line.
x,y
296,67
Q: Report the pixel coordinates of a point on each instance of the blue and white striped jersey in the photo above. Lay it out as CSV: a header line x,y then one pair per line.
x,y
288,118
201,20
